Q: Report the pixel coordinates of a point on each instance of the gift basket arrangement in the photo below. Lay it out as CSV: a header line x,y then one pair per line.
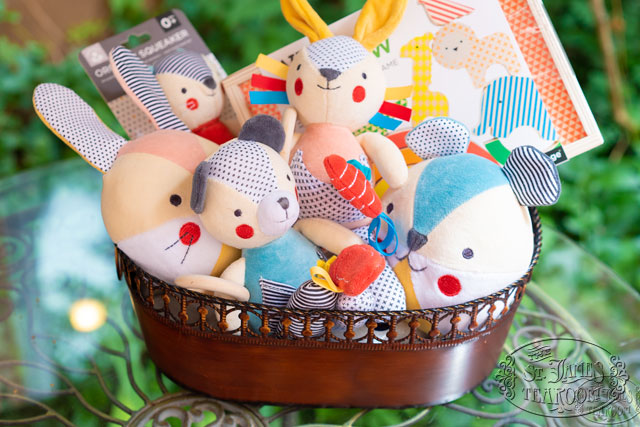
x,y
299,259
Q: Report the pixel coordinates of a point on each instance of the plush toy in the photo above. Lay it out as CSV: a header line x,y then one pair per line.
x,y
246,197
146,189
180,92
335,86
462,221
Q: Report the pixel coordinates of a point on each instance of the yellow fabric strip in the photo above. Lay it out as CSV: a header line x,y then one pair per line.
x,y
272,66
320,275
399,92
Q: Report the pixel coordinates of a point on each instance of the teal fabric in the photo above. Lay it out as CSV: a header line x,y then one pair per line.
x,y
448,182
285,260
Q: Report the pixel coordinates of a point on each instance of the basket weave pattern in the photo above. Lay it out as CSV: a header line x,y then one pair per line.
x,y
197,313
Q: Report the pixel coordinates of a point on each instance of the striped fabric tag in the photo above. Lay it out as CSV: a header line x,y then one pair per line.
x,y
533,177
275,293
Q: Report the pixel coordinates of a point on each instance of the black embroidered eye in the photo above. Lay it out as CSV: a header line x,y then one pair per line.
x,y
467,253
237,212
288,177
364,76
389,208
175,200
184,90
298,67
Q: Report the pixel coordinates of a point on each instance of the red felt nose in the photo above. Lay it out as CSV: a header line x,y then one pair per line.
x,y
449,285
192,104
189,233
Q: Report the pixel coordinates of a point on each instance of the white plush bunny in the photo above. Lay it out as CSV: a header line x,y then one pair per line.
x,y
146,189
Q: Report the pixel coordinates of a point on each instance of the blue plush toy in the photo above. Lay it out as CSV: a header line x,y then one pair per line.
x,y
463,224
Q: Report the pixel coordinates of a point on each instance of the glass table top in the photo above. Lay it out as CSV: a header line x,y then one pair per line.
x,y
72,352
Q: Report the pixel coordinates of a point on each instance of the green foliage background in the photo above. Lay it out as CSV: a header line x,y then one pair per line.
x,y
601,199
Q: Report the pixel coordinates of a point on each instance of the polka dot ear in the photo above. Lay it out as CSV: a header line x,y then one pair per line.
x,y
77,125
533,176
138,81
438,137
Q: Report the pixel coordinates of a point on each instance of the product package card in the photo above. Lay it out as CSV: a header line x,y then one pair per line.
x,y
497,66
155,39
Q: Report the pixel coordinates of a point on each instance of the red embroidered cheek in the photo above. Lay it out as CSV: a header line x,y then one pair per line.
x,y
449,285
192,104
358,94
298,86
244,231
189,233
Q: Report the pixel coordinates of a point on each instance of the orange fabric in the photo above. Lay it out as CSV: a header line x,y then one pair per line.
x,y
356,268
181,148
323,139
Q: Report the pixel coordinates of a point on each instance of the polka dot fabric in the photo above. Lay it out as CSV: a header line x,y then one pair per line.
x,y
77,125
438,137
384,294
319,199
338,53
246,167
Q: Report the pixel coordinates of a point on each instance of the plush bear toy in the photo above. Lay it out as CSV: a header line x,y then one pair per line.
x,y
335,86
462,221
146,188
180,92
246,197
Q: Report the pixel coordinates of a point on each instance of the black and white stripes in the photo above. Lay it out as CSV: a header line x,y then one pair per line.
x,y
310,296
138,81
533,177
186,64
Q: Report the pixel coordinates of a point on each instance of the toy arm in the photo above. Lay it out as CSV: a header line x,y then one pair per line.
x,y
229,285
387,157
289,124
235,271
327,234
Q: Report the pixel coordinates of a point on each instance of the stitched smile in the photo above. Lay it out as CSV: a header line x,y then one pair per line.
x,y
329,88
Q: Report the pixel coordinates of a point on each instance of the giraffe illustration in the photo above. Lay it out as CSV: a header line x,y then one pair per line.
x,y
425,103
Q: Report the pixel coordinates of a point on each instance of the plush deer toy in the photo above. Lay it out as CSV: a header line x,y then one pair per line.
x,y
335,86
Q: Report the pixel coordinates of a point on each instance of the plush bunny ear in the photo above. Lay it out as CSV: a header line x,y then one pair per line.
x,y
533,176
438,137
301,16
140,84
77,125
377,21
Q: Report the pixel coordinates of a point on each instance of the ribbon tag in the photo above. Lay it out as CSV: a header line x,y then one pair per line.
x,y
320,275
392,235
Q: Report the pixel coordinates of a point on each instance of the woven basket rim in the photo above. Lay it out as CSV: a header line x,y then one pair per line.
x,y
122,258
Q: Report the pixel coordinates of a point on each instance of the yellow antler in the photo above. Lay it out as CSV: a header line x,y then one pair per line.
x,y
377,21
301,16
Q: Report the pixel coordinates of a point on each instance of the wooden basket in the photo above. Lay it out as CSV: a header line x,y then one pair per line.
x,y
349,364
